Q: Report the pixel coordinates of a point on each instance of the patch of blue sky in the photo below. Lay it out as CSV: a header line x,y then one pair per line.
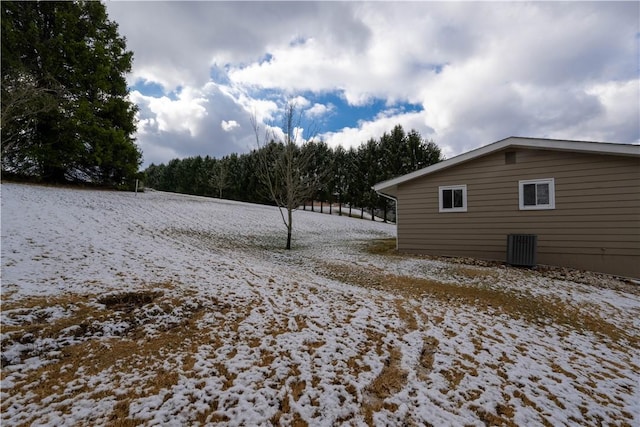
x,y
155,90
219,75
343,115
338,114
278,96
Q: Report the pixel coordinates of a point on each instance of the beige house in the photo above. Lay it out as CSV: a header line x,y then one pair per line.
x,y
581,201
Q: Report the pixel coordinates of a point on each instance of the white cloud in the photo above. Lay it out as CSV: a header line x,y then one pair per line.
x,y
229,125
182,114
617,118
354,136
205,121
319,110
481,71
300,102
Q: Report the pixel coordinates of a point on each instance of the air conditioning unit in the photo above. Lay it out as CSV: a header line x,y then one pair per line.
x,y
521,249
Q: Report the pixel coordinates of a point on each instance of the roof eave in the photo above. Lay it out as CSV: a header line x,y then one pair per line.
x,y
391,186
388,192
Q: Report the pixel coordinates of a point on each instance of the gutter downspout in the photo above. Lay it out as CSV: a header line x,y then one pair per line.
x,y
395,200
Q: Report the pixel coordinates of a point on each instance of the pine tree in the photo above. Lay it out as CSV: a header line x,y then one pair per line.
x,y
219,176
340,173
75,60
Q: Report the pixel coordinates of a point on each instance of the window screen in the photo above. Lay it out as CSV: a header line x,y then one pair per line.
x,y
537,194
453,198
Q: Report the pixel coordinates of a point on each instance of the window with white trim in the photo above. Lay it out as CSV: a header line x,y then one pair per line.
x,y
537,194
452,198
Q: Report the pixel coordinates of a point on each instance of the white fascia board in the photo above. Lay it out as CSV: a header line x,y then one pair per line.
x,y
576,146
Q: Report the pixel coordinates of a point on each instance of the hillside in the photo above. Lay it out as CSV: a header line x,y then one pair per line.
x,y
163,309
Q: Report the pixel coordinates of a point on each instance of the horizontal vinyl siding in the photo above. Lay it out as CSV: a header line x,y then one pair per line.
x,y
596,223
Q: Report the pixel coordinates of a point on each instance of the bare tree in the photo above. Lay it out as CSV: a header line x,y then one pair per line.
x,y
283,166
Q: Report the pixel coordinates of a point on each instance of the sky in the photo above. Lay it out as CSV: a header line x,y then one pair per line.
x,y
463,74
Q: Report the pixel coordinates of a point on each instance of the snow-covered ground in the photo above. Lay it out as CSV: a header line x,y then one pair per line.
x,y
164,309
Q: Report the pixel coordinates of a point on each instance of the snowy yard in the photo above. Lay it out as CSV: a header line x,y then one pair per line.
x,y
163,309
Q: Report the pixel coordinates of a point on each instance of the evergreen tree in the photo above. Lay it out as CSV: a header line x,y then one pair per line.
x,y
74,60
153,175
340,172
352,178
320,173
235,176
317,172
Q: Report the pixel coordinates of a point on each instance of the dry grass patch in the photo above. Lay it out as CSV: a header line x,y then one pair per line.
x,y
471,273
224,373
407,316
390,381
297,387
120,415
382,247
479,269
93,356
538,310
87,364
33,314
427,356
457,372
502,417
115,360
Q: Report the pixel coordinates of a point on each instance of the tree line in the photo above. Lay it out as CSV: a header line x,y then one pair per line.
x,y
334,175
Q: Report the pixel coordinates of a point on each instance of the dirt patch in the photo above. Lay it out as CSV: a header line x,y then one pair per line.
x,y
129,300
